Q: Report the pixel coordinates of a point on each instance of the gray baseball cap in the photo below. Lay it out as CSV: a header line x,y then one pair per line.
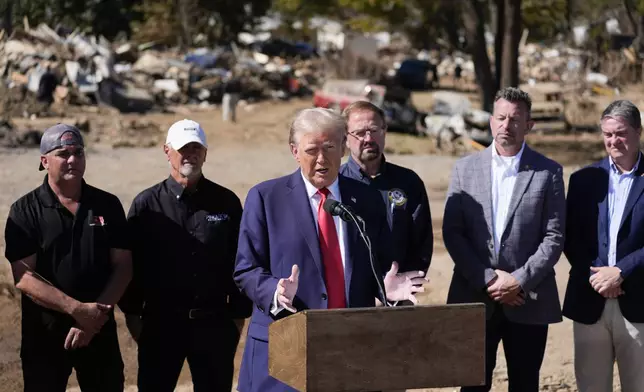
x,y
58,136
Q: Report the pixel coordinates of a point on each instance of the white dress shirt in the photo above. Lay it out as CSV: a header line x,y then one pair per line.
x,y
504,175
340,225
619,186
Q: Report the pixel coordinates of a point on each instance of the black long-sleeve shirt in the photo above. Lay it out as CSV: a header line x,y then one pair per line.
x,y
183,247
408,212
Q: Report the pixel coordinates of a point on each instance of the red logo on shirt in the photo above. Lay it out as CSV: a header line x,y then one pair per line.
x,y
97,221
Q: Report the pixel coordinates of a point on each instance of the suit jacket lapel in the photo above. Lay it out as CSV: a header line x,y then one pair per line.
x,y
351,235
485,178
635,193
603,206
303,215
524,176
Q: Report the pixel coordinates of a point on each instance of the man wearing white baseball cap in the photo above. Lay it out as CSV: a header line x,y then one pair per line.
x,y
184,132
182,302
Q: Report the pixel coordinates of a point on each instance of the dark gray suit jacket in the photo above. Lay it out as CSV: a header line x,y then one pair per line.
x,y
531,243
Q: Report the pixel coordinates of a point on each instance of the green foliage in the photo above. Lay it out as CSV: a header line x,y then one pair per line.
x,y
147,19
360,15
158,22
434,20
218,20
545,19
101,17
232,16
425,21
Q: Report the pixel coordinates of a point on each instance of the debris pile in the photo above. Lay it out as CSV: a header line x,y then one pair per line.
x,y
134,133
44,71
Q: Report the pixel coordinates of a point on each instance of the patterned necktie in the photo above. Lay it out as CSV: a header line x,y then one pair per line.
x,y
331,257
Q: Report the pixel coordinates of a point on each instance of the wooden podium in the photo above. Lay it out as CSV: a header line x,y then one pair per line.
x,y
371,349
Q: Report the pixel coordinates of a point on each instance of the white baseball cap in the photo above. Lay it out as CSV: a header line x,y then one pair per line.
x,y
184,132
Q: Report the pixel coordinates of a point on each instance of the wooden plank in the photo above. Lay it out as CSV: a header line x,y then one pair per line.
x,y
549,126
547,106
287,351
396,348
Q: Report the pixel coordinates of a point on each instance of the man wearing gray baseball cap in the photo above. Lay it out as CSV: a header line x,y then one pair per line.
x,y
68,247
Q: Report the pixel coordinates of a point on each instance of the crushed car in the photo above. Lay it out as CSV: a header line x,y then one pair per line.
x,y
400,113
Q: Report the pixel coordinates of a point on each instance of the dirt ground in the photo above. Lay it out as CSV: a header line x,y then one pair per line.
x,y
240,156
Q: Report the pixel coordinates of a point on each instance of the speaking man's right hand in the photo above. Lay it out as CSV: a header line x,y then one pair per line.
x,y
287,288
91,316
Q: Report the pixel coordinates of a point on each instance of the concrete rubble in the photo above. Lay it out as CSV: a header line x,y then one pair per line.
x,y
452,117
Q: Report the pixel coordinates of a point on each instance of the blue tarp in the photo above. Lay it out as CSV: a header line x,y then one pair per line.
x,y
205,60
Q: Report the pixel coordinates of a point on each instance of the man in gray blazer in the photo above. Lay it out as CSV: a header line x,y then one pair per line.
x,y
504,228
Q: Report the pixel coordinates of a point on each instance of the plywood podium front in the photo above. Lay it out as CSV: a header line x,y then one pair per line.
x,y
374,349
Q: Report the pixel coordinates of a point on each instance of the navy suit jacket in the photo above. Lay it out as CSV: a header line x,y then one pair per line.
x,y
277,231
587,244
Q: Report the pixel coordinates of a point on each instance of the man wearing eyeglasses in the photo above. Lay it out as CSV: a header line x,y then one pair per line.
x,y
404,193
69,252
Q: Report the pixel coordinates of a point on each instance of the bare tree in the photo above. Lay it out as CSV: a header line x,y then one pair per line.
x,y
499,34
637,23
184,8
511,38
569,7
474,23
7,18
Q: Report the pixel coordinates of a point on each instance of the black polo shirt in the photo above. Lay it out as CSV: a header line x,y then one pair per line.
x,y
72,251
184,248
408,212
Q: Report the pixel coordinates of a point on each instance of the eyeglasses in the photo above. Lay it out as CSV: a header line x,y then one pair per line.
x,y
361,135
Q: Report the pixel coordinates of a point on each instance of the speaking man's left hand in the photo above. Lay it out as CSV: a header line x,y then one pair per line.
x,y
403,286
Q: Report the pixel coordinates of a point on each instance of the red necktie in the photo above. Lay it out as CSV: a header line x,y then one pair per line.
x,y
331,257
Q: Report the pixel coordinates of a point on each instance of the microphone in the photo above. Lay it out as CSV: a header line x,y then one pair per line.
x,y
335,208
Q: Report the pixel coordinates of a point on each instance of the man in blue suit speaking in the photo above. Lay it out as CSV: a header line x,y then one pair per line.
x,y
293,255
605,247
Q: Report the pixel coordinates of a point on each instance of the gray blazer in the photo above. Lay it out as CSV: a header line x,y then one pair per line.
x,y
531,243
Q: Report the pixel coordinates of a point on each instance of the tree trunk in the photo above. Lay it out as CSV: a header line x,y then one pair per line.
x,y
636,23
512,36
498,41
451,26
640,34
631,18
186,33
474,23
569,34
8,18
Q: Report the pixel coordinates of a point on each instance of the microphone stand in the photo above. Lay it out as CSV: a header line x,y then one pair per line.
x,y
362,230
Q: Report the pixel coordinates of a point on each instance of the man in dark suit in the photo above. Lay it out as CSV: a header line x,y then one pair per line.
x,y
293,255
504,228
605,247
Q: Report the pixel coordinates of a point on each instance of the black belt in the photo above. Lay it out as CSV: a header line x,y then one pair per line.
x,y
203,313
190,314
